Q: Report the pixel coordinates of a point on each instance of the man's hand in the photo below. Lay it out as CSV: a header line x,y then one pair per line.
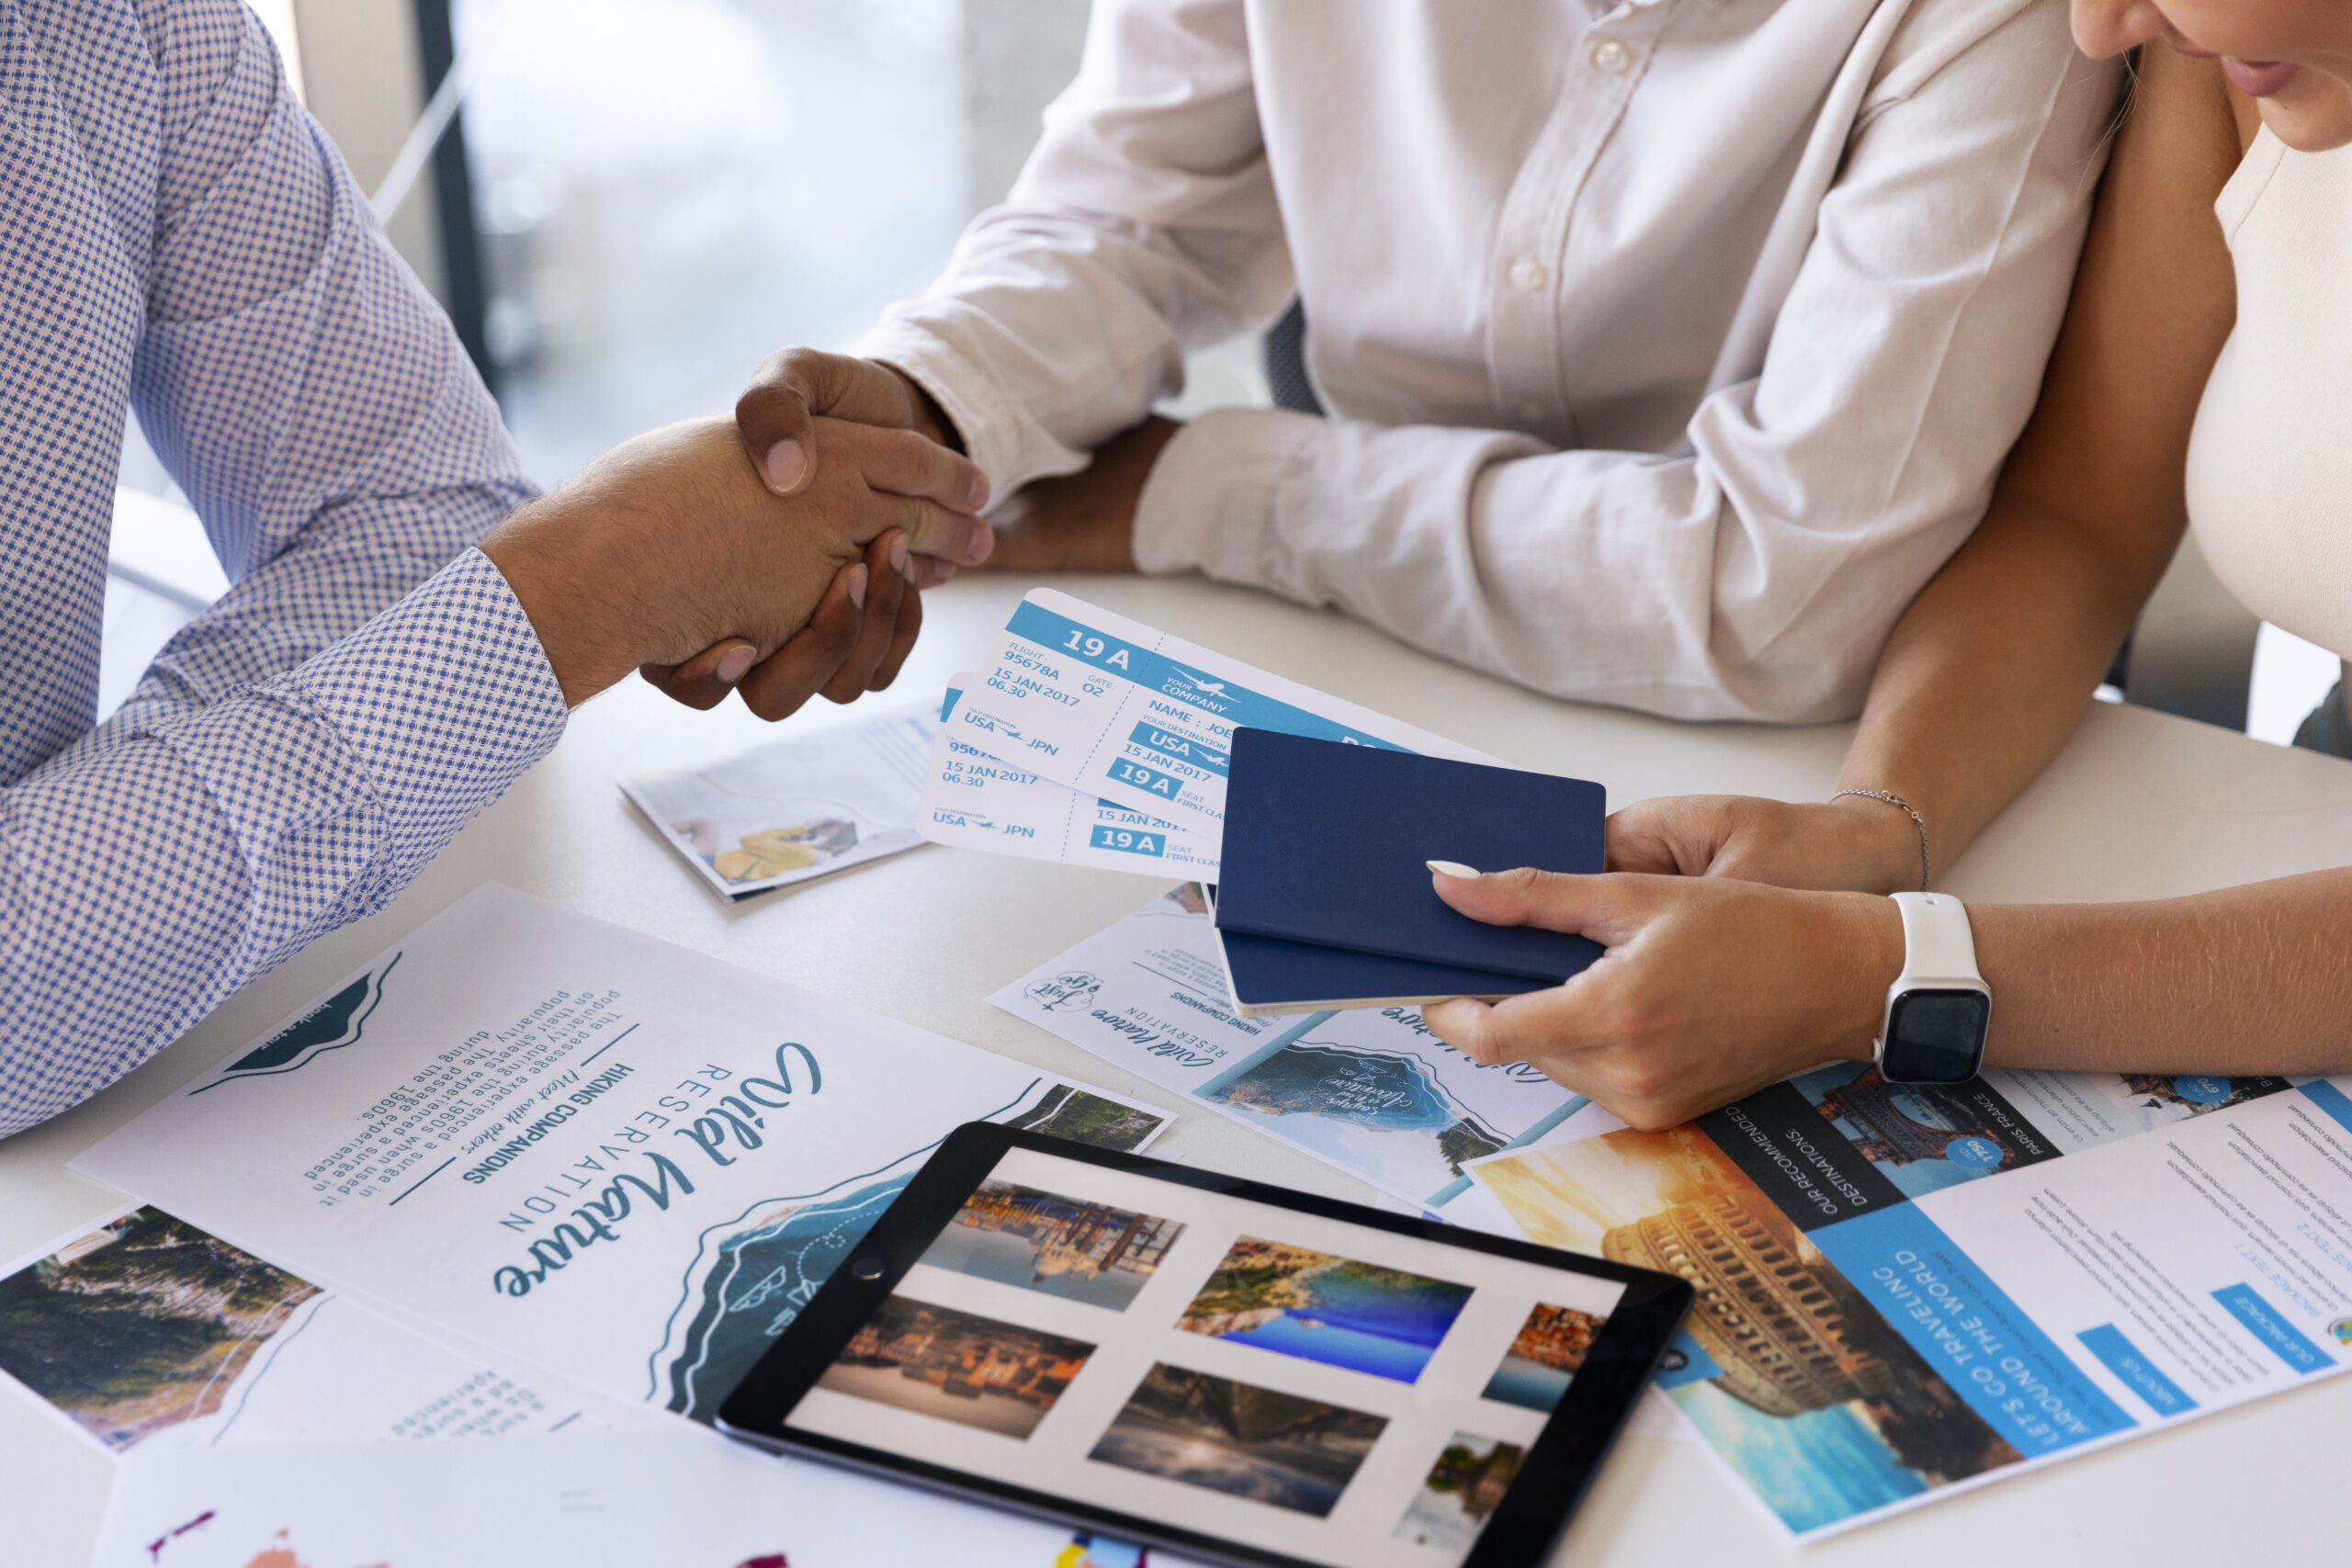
x,y
796,387
670,547
860,636
1085,521
1854,843
1711,988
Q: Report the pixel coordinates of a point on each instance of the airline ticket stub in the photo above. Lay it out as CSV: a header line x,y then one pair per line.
x,y
1111,709
976,801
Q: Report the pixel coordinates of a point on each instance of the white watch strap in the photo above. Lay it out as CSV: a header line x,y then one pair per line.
x,y
1939,948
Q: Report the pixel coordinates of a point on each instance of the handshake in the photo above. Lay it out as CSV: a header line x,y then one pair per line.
x,y
781,557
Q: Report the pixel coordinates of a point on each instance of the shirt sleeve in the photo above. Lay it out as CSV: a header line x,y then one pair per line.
x,y
1755,574
1144,225
296,753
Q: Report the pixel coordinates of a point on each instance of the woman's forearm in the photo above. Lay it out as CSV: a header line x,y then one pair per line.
x,y
2251,979
1992,665
1991,668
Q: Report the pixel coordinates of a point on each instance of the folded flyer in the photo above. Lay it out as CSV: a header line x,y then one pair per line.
x,y
797,808
1372,1092
1909,1290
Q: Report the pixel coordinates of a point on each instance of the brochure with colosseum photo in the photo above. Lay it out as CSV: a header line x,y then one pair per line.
x,y
1907,1290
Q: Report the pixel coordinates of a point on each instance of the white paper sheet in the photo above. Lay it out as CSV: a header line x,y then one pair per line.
x,y
649,1500
798,808
573,1147
1372,1091
141,1331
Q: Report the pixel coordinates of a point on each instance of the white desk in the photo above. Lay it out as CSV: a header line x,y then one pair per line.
x,y
2139,805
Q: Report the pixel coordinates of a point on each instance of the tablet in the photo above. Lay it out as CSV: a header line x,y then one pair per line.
x,y
1228,1371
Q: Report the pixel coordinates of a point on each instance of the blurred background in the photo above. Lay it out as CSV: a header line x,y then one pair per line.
x,y
625,205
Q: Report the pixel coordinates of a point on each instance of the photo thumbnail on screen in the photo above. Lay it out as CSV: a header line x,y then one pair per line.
x,y
1545,1353
1461,1493
1068,1248
1234,1438
957,1366
1298,1301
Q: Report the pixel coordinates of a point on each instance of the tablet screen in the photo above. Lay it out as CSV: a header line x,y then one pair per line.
x,y
1303,1385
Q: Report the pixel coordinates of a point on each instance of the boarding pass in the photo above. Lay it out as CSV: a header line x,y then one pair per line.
x,y
1108,707
975,801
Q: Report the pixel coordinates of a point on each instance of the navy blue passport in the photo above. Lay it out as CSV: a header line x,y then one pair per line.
x,y
1324,892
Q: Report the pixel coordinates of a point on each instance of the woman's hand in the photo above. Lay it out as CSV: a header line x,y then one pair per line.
x,y
1711,988
1851,843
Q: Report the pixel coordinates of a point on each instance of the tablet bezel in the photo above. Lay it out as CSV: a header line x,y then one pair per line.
x,y
1560,1464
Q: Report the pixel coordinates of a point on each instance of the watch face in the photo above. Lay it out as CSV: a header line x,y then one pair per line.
x,y
1934,1036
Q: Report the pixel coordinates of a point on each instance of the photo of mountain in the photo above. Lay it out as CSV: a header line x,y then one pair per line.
x,y
141,1324
1083,1118
1297,1302
1060,1247
957,1366
1241,1439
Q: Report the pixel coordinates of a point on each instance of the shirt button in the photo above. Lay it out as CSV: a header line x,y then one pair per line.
x,y
1612,57
1527,272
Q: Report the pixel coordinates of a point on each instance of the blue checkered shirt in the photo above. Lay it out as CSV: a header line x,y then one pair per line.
x,y
177,236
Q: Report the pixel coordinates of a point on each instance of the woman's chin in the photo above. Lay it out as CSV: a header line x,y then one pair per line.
x,y
2317,119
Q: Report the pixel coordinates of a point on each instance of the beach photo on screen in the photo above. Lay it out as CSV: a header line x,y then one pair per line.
x,y
957,1366
1544,1354
1460,1494
1298,1301
1070,1248
1234,1438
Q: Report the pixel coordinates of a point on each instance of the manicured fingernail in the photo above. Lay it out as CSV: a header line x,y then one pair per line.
x,y
983,544
899,556
788,464
857,585
1453,868
736,663
976,499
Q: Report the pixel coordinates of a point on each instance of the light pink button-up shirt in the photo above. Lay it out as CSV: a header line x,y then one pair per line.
x,y
1670,345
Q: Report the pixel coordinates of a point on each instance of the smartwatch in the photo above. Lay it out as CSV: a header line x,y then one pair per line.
x,y
1940,1008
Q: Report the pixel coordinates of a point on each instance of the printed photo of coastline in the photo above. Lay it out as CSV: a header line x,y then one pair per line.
x,y
142,1325
1547,1352
1234,1438
1060,1247
1298,1301
1461,1493
957,1366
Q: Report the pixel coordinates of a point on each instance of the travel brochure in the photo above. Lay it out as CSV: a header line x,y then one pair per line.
x,y
1907,1290
1371,1091
570,1149
817,802
1343,1393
